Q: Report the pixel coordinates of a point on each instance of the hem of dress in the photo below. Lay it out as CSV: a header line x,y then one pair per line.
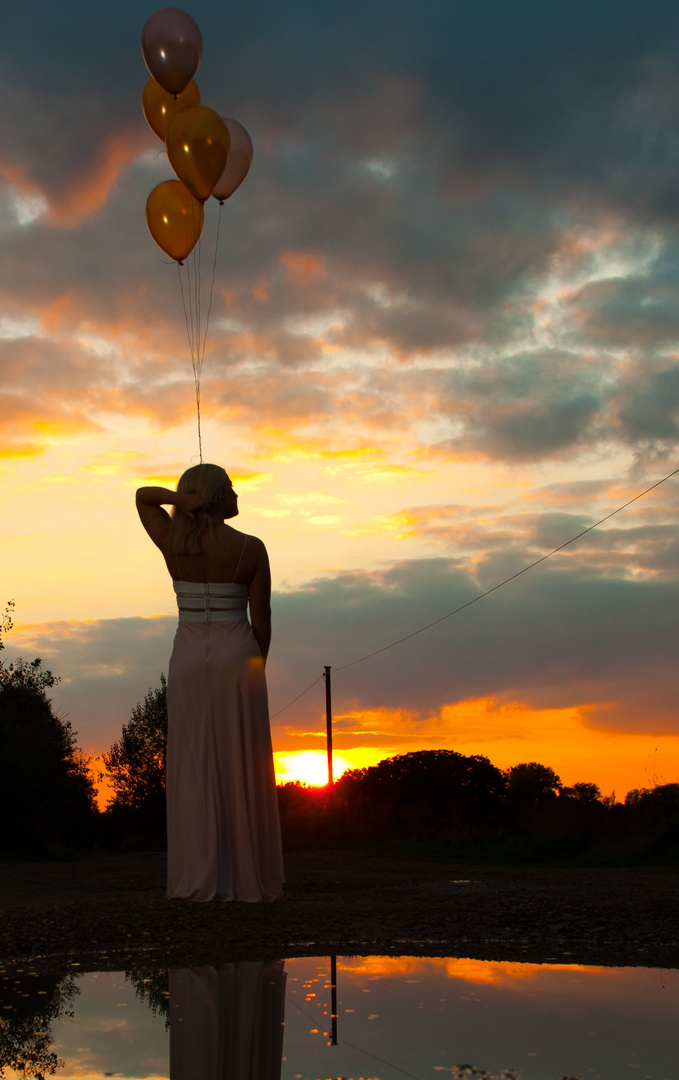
x,y
267,898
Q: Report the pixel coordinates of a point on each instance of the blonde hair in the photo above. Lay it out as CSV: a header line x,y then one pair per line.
x,y
184,536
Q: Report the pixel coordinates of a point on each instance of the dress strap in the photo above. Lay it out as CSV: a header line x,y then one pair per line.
x,y
239,561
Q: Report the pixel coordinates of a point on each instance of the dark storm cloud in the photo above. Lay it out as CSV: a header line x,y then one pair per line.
x,y
641,312
520,85
557,638
429,156
648,406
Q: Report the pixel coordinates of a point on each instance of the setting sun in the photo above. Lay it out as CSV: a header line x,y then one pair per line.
x,y
309,766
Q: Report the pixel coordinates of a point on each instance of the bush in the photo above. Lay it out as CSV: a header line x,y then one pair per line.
x,y
46,792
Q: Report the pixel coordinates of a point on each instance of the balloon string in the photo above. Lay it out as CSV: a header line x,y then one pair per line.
x,y
196,358
199,356
191,337
197,284
186,313
200,440
214,274
196,337
191,331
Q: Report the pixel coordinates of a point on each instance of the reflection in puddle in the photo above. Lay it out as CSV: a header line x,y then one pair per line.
x,y
227,1021
395,1017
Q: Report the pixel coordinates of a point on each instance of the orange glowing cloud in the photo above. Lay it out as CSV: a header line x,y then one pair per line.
x,y
303,267
29,429
261,290
25,187
483,972
85,194
506,733
54,312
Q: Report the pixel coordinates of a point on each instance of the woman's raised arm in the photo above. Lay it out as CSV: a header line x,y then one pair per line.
x,y
150,502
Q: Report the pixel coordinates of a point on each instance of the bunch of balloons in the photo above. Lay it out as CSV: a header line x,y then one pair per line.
x,y
210,155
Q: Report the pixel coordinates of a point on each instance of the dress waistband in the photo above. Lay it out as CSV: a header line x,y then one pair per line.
x,y
207,602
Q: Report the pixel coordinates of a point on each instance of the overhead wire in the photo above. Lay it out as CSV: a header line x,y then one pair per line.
x,y
361,1049
512,577
296,698
487,592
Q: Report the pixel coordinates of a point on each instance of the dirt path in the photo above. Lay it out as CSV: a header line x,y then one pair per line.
x,y
111,908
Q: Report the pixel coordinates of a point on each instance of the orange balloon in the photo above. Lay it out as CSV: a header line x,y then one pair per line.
x,y
198,146
160,108
174,218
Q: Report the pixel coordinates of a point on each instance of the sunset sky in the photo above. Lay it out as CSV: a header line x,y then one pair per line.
x,y
444,339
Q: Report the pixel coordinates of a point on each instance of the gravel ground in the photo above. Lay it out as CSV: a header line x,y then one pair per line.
x,y
109,911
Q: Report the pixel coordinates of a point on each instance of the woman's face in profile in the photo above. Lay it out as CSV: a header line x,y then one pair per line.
x,y
227,500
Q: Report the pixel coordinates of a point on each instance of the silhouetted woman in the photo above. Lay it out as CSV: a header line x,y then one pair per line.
x,y
222,813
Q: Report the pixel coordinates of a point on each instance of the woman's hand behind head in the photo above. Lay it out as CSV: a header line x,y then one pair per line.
x,y
188,504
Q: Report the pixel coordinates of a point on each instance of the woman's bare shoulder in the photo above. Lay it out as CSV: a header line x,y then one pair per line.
x,y
232,540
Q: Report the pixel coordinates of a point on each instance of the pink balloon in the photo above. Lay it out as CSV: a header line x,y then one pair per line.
x,y
238,165
172,46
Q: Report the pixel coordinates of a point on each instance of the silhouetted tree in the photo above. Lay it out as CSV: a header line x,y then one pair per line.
x,y
442,785
28,1006
152,986
531,785
583,792
6,621
660,803
46,792
135,767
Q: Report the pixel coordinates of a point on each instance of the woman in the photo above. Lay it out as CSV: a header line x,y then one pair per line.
x,y
222,814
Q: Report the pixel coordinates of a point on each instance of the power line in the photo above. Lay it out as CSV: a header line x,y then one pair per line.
x,y
296,698
511,577
493,589
353,1046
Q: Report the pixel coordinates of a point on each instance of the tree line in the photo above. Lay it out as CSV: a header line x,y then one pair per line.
x,y
436,802
47,795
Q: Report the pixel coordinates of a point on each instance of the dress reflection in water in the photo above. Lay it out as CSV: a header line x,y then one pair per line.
x,y
226,1022
224,838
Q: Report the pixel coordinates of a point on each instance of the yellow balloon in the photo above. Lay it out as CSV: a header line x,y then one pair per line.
x,y
160,108
174,218
198,146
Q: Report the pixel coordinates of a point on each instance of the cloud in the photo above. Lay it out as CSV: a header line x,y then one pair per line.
x,y
106,666
554,639
303,267
417,246
456,249
560,638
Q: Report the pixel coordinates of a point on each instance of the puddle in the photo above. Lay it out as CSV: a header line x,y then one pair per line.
x,y
393,1017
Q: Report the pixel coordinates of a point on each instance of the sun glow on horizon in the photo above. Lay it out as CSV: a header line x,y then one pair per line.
x,y
308,766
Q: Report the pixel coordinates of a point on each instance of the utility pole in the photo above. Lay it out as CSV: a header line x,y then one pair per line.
x,y
333,1000
328,721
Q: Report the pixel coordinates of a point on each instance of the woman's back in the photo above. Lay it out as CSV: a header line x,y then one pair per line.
x,y
227,556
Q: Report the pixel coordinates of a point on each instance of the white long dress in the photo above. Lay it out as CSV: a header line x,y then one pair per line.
x,y
223,831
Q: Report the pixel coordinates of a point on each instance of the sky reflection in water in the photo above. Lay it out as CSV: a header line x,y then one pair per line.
x,y
395,1017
